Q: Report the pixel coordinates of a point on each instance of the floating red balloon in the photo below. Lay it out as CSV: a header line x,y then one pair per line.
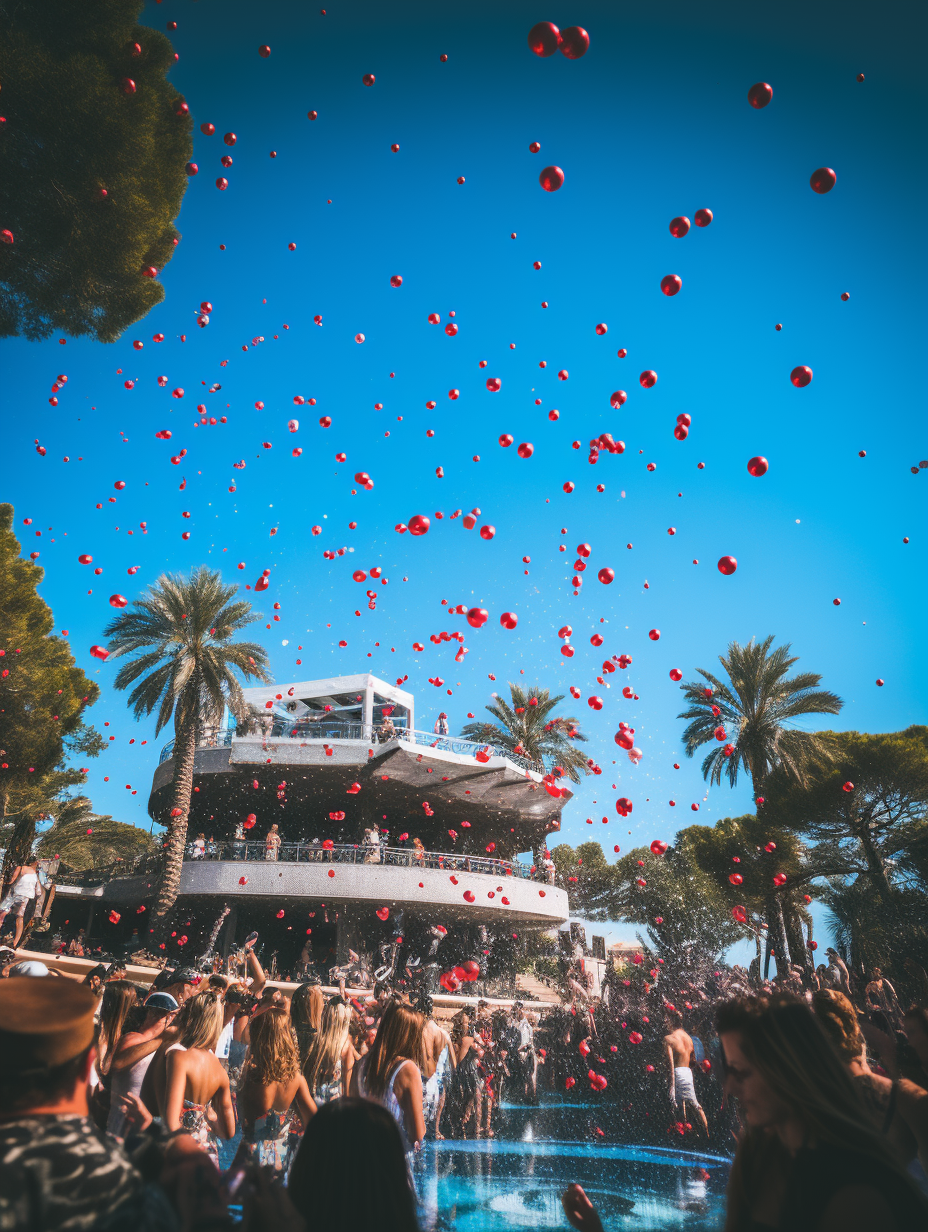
x,y
702,218
509,620
801,377
648,379
727,565
679,227
419,524
671,284
544,38
823,180
758,466
606,576
574,42
760,95
618,398
551,179
477,617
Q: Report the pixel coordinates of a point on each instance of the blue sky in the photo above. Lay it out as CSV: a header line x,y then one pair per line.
x,y
653,122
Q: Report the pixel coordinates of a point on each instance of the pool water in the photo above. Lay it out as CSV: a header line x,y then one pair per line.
x,y
516,1181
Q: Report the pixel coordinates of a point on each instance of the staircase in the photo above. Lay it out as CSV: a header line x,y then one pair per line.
x,y
533,989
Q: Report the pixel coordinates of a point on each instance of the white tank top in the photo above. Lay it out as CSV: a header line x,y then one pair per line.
x,y
25,886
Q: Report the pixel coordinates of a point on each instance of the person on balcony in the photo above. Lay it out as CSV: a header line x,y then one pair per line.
x,y
198,847
272,843
372,842
441,727
419,852
387,730
238,844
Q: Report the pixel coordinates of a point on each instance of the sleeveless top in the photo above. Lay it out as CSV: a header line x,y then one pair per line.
x,y
26,884
389,1100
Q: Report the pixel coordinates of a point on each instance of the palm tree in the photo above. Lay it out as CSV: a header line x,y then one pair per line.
x,y
526,728
86,841
749,718
185,666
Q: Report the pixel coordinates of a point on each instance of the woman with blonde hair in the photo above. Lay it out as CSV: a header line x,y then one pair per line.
x,y
331,1057
306,1012
899,1108
274,1101
197,1096
389,1074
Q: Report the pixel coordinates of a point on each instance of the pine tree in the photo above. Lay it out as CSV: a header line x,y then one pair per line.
x,y
43,697
92,166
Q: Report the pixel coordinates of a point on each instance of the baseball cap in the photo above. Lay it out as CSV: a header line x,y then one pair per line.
x,y
30,966
161,1001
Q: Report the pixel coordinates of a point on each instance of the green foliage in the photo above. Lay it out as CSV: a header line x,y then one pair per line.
x,y
869,829
86,841
43,696
530,730
692,908
756,706
77,258
184,663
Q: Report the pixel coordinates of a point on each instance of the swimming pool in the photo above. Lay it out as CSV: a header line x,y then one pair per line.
x,y
516,1181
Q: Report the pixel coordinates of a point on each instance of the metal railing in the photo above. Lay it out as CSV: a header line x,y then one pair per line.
x,y
314,732
360,853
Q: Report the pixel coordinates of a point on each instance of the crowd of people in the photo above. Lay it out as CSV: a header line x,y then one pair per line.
x,y
205,1099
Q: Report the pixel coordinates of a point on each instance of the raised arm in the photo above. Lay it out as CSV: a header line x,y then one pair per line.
x,y
257,971
135,1045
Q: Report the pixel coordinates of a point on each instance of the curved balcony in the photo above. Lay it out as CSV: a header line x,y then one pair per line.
x,y
319,733
434,884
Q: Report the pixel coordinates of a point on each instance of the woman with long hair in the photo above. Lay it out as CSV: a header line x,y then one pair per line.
x,y
899,1108
346,1140
274,1101
331,1057
120,997
389,1073
465,1084
197,1096
306,1012
810,1159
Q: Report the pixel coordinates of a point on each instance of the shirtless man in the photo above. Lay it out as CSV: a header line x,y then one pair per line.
x,y
678,1047
437,1064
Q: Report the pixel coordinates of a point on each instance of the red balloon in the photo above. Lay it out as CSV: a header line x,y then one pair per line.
x,y
509,620
596,703
757,466
118,601
654,635
681,432
702,218
676,674
727,565
506,440
671,284
823,180
679,227
617,399
544,38
230,138
801,377
264,52
606,575
525,450
494,384
574,42
419,524
487,532
477,617
551,179
847,786
760,95
648,379
396,280
368,79
658,847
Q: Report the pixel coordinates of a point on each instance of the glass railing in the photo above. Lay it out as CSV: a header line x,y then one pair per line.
x,y
361,853
324,731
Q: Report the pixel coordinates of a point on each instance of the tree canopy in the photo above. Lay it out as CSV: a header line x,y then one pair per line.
x,y
528,728
183,663
92,166
43,699
86,841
